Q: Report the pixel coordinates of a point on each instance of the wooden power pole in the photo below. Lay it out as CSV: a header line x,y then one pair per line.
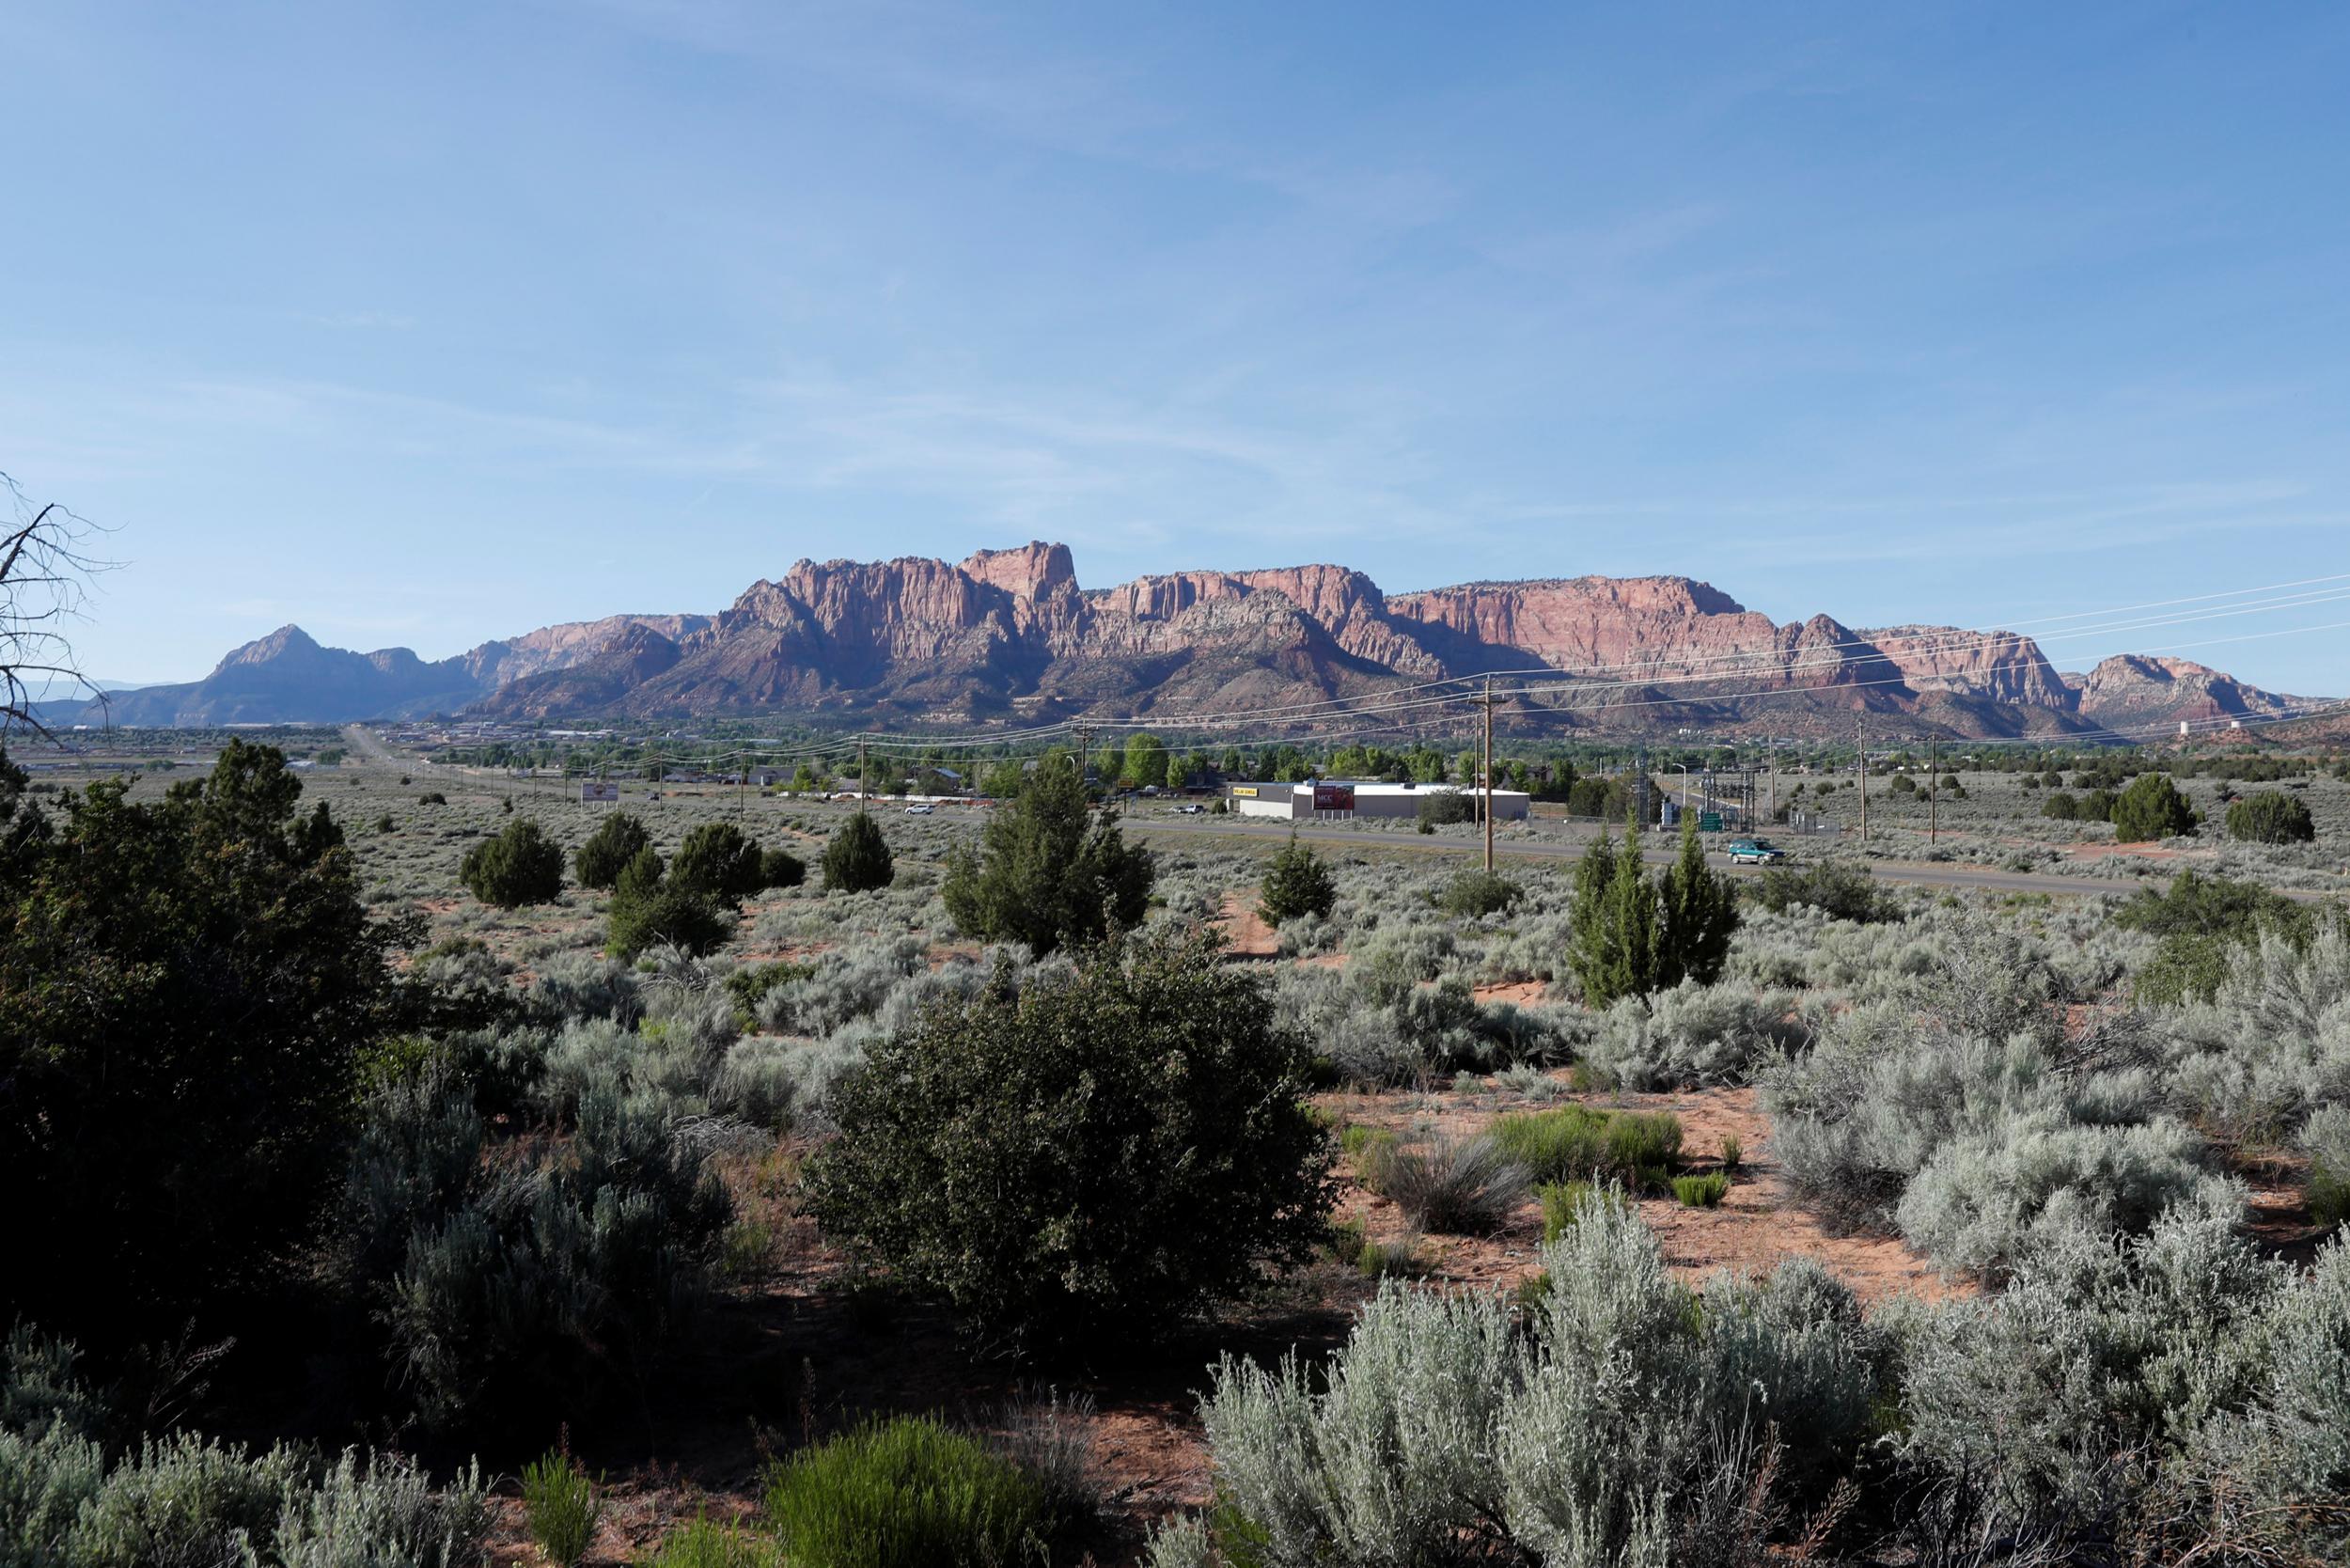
x,y
1933,816
1860,743
1487,704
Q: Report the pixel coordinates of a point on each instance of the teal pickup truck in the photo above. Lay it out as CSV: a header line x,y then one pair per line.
x,y
1762,852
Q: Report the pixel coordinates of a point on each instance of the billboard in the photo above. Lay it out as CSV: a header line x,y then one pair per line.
x,y
1246,791
1334,797
595,791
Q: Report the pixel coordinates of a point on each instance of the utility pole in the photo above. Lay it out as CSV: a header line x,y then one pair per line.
x,y
1085,747
1934,818
864,781
1860,744
1487,704
1773,743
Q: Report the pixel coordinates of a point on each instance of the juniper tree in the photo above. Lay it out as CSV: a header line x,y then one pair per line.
x,y
857,858
1041,1156
186,986
650,909
1297,883
522,865
2270,817
615,842
718,858
2151,807
1614,930
1049,871
1700,911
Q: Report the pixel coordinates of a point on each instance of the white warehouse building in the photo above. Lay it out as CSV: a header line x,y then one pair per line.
x,y
1325,798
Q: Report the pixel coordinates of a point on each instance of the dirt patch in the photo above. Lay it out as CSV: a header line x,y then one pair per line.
x,y
1754,1227
1519,993
1247,935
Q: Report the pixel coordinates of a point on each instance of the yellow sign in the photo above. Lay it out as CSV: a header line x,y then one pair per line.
x,y
1248,790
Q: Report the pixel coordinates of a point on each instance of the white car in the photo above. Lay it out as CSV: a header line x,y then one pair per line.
x,y
920,810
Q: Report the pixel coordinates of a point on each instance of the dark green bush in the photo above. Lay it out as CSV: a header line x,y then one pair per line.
x,y
1902,785
1477,893
2062,806
2205,922
1043,1159
1442,808
186,985
717,859
780,868
1296,883
617,841
432,797
1049,871
2270,817
649,910
1839,890
522,865
907,1493
2149,808
2097,806
856,857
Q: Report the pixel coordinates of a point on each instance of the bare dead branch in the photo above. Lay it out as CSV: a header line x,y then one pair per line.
x,y
46,567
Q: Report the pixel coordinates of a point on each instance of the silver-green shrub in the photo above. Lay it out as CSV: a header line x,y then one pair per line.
x,y
1625,1427
380,1512
1988,1196
1694,1036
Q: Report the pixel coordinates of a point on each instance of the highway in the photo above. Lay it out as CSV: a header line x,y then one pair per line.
x,y
370,747
1660,851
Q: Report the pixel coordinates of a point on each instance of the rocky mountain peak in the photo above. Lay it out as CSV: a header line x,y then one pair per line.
x,y
1033,571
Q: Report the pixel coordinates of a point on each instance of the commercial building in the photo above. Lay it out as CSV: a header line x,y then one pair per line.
x,y
1324,798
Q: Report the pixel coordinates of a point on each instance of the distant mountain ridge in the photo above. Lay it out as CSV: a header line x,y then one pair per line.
x,y
1009,636
289,678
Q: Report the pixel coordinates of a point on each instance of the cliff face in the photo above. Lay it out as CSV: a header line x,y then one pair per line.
x,y
2134,690
495,663
1010,632
1997,665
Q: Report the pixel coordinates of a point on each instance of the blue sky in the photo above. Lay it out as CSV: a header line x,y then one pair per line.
x,y
427,323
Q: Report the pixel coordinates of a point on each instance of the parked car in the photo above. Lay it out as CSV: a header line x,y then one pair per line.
x,y
920,810
1760,851
1193,810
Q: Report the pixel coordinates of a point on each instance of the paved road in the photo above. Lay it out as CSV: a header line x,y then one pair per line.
x,y
1921,874
370,747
